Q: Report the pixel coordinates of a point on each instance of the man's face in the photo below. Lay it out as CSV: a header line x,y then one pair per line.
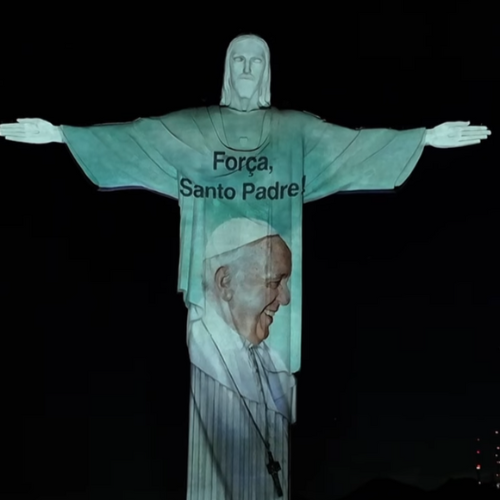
x,y
246,62
260,287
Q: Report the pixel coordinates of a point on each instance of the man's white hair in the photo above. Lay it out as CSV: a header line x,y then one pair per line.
x,y
265,83
228,245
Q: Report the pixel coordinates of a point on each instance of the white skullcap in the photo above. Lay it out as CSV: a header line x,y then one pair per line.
x,y
236,233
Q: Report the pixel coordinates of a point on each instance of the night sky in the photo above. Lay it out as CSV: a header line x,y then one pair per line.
x,y
400,369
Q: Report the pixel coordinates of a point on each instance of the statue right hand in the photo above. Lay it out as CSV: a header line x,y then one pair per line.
x,y
32,131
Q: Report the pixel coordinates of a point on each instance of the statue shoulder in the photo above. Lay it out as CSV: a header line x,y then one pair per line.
x,y
300,116
186,120
308,113
178,114
184,124
301,122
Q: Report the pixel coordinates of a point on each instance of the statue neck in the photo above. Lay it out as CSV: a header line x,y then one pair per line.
x,y
242,130
244,104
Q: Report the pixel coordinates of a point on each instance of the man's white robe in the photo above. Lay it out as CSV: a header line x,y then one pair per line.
x,y
229,379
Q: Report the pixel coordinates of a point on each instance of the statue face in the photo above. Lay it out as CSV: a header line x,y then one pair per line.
x,y
260,287
246,62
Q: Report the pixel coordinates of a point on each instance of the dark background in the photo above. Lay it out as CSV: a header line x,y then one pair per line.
x,y
400,369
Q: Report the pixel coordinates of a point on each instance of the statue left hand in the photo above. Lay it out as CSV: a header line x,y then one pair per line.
x,y
455,135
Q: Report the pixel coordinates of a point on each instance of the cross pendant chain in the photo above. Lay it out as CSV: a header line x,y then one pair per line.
x,y
273,468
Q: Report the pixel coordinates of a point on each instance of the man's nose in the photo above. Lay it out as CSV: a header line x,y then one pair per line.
x,y
284,295
246,67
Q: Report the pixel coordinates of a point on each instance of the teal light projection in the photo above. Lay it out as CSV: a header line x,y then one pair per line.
x,y
241,172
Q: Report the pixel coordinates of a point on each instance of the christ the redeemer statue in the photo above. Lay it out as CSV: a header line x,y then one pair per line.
x,y
242,160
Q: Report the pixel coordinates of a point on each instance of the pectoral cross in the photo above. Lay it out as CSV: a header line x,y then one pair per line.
x,y
273,468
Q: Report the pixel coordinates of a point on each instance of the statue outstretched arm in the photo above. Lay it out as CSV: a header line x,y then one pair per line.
x,y
31,131
338,159
114,156
455,135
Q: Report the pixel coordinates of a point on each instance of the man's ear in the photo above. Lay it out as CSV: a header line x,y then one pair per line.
x,y
222,280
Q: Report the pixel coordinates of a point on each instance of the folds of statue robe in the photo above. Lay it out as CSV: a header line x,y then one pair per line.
x,y
300,158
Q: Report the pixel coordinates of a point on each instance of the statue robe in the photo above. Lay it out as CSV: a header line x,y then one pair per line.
x,y
299,158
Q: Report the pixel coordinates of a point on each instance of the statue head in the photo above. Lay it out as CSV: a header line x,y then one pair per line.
x,y
247,74
247,269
